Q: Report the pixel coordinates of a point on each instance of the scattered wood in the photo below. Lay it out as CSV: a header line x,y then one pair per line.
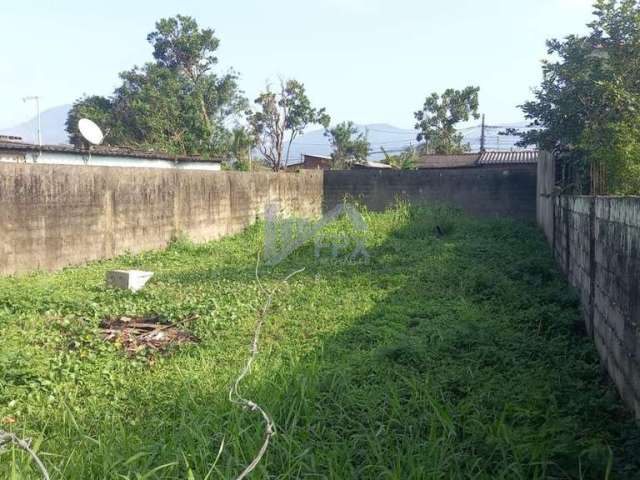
x,y
149,333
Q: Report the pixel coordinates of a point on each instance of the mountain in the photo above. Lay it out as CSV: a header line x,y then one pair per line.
x,y
380,135
52,123
394,140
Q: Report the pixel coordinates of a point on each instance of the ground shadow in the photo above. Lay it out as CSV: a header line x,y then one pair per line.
x,y
452,353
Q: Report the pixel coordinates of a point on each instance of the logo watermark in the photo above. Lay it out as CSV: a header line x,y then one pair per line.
x,y
284,236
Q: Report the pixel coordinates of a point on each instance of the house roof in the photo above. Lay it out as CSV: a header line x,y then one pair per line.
x,y
513,157
372,164
478,159
102,151
296,162
448,161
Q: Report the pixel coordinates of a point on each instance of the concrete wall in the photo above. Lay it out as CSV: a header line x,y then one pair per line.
x,y
482,191
596,242
55,216
52,216
545,191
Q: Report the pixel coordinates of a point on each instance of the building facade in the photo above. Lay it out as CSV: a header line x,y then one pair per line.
x,y
12,151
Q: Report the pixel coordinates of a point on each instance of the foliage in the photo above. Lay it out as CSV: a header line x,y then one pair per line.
x,y
178,44
587,108
449,355
97,108
281,117
176,104
440,114
406,160
349,146
240,149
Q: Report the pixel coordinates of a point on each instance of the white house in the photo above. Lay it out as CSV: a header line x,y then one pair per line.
x,y
12,150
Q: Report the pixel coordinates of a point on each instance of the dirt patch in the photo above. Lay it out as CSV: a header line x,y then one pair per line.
x,y
146,334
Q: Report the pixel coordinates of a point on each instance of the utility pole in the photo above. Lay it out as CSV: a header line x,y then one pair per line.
x,y
37,100
482,136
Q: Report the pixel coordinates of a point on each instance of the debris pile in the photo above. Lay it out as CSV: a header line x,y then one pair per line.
x,y
148,333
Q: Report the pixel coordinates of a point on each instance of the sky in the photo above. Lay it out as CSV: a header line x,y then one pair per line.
x,y
369,61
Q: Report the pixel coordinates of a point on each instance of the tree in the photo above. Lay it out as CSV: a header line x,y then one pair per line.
x,y
175,104
587,109
437,120
99,109
348,144
242,143
406,160
281,118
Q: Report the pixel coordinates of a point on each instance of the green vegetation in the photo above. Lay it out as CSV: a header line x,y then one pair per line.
x,y
587,108
176,104
405,160
347,144
455,352
437,120
281,117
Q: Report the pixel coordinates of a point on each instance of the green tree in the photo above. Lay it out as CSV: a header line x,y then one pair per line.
x,y
348,144
242,144
439,116
406,160
587,109
281,118
176,104
97,108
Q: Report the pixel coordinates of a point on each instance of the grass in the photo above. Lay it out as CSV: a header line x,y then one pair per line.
x,y
454,353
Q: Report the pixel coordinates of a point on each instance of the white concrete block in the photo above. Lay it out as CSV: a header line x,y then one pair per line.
x,y
133,280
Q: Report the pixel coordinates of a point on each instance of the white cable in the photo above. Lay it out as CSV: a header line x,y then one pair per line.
x,y
234,395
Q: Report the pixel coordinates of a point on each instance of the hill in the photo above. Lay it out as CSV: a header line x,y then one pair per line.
x,y
380,135
52,124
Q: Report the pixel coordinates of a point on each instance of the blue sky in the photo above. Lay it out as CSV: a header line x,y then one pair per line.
x,y
371,61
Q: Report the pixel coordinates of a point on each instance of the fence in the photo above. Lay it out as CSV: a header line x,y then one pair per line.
x,y
52,216
596,241
508,190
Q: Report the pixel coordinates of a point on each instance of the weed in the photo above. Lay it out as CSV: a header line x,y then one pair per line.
x,y
451,354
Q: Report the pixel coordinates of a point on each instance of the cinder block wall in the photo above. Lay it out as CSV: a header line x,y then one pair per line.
x,y
597,244
481,191
55,216
596,241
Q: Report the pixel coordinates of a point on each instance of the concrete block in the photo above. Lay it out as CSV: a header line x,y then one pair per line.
x,y
133,280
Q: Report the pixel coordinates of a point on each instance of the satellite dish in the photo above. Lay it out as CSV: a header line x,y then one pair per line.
x,y
90,131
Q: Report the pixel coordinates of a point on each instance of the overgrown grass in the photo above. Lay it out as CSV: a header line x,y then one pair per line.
x,y
455,352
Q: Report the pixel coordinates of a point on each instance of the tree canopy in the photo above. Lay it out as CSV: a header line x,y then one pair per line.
x,y
283,116
176,104
348,144
406,160
587,109
440,114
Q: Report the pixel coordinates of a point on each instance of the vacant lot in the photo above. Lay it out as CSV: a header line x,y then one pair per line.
x,y
455,352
